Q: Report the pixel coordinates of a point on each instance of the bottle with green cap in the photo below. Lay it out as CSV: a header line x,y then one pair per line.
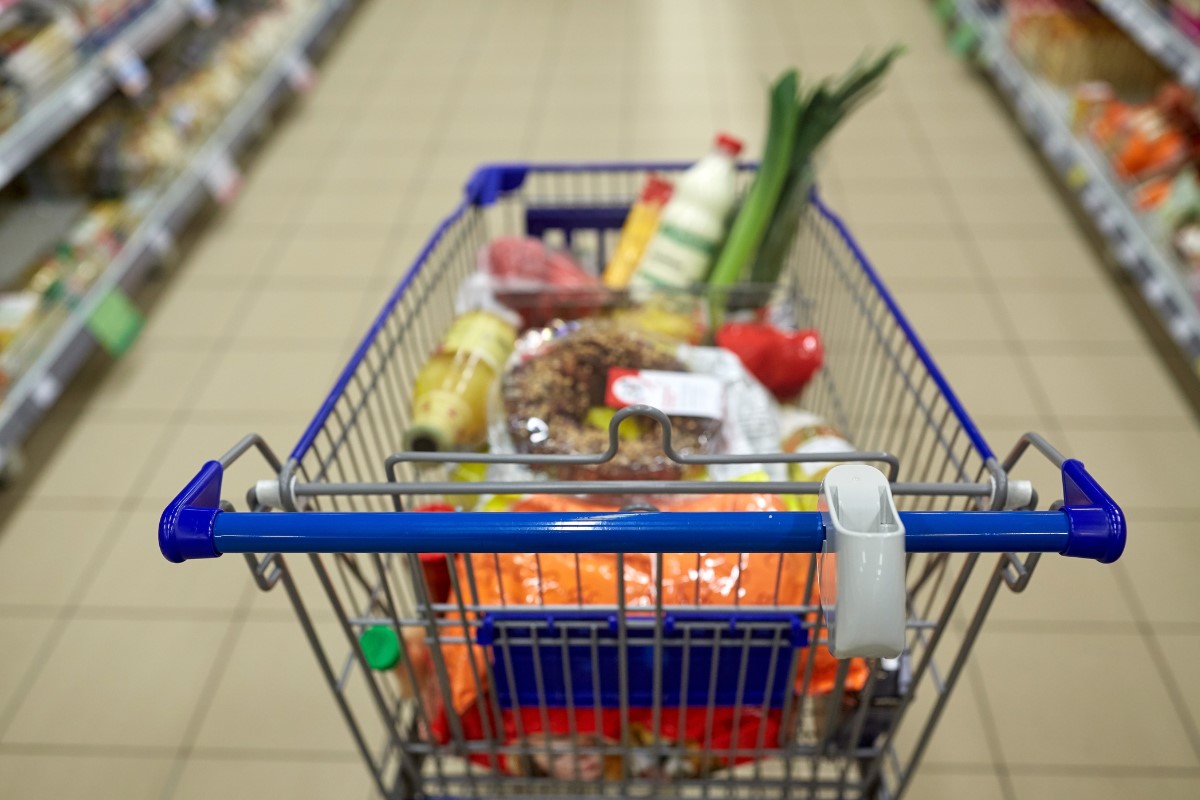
x,y
381,649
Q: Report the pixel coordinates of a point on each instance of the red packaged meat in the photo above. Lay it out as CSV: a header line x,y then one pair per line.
x,y
540,283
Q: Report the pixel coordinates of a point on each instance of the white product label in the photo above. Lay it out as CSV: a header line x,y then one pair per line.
x,y
223,179
751,423
203,11
300,74
127,69
675,259
681,394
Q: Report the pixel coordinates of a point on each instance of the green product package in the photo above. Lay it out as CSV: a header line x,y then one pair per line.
x,y
115,322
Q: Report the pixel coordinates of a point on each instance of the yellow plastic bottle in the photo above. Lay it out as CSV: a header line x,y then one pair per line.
x,y
450,396
636,233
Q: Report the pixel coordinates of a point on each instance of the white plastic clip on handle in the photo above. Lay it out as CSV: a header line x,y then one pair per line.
x,y
861,570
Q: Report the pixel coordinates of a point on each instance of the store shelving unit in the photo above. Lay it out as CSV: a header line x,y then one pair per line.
x,y
71,343
1042,110
1157,37
43,124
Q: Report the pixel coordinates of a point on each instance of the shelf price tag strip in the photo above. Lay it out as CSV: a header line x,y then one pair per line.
x,y
115,323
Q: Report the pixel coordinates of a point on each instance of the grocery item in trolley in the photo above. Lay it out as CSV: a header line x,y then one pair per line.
x,y
559,378
538,282
450,395
806,433
637,231
528,580
693,223
783,361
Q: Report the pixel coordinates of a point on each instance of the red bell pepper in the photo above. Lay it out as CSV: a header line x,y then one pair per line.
x,y
783,361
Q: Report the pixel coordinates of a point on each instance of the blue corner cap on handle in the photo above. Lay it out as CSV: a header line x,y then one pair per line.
x,y
492,181
1097,524
186,528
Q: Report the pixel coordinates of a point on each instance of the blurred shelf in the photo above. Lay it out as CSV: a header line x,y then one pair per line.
x,y
25,227
48,119
71,343
1157,36
1042,110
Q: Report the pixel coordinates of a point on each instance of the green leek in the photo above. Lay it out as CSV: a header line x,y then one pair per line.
x,y
750,225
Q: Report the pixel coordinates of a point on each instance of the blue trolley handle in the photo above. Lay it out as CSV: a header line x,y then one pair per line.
x,y
1089,524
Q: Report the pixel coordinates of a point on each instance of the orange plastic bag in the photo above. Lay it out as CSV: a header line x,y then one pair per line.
x,y
527,580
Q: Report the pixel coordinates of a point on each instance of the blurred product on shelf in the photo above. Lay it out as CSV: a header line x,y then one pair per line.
x,y
692,224
37,51
194,80
42,42
450,395
126,152
59,279
636,233
1070,41
1185,15
1148,140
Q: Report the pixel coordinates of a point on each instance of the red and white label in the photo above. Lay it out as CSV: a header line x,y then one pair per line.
x,y
680,394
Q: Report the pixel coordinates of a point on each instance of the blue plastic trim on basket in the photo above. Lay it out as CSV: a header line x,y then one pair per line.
x,y
187,527
592,662
491,181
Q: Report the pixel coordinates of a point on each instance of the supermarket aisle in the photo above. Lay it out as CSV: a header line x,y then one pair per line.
x,y
123,677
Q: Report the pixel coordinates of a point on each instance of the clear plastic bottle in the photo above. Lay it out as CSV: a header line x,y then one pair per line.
x,y
693,223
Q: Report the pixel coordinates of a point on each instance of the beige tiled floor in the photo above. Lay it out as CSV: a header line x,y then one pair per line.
x,y
124,677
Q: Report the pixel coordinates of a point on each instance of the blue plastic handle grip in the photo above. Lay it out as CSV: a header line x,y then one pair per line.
x,y
663,532
1089,525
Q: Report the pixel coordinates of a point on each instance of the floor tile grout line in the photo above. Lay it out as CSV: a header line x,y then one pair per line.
x,y
208,690
991,730
1162,665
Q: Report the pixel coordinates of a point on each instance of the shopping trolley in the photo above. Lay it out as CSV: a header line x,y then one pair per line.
x,y
657,694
